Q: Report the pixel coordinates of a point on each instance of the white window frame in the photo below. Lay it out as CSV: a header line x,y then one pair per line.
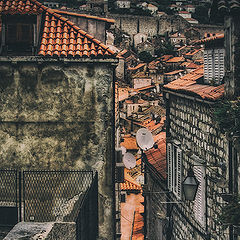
x,y
174,159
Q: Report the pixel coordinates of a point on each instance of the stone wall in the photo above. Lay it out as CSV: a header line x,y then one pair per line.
x,y
191,124
149,25
59,115
157,223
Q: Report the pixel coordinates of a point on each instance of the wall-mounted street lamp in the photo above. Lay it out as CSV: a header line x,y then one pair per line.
x,y
190,186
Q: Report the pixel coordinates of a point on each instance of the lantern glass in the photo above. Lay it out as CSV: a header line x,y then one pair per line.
x,y
190,186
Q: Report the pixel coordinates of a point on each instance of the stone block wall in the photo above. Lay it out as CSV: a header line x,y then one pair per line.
x,y
157,223
59,115
191,123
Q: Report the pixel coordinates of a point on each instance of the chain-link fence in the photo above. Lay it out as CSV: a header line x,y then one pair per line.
x,y
44,196
9,197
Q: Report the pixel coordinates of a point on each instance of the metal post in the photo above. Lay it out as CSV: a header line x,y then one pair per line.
x,y
20,195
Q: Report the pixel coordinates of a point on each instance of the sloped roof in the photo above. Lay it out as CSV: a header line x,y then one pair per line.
x,y
129,183
112,21
129,143
175,60
189,85
211,38
157,157
60,37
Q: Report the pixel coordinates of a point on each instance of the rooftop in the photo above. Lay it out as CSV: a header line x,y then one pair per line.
x,y
188,85
60,37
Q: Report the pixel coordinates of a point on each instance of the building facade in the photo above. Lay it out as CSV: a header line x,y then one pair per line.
x,y
57,108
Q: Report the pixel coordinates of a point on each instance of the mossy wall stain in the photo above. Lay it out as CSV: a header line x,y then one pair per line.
x,y
56,116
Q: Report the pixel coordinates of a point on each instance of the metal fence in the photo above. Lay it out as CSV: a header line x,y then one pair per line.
x,y
9,197
52,195
87,219
42,196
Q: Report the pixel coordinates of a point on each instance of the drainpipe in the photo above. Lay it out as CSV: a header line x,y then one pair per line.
x,y
230,182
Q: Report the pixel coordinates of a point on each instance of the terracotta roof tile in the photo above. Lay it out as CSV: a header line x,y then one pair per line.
x,y
189,85
130,185
137,67
210,39
174,72
175,60
157,157
60,37
129,143
84,16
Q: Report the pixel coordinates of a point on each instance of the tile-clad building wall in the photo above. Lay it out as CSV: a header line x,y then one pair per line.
x,y
191,123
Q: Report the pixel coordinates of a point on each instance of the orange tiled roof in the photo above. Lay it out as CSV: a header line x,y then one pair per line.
x,y
137,67
211,38
192,65
164,58
175,60
157,157
60,37
129,143
174,72
84,16
190,86
129,183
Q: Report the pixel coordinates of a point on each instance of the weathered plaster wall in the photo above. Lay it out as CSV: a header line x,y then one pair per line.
x,y
191,124
59,116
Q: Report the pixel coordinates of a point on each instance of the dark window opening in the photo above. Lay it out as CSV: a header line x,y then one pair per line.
x,y
18,37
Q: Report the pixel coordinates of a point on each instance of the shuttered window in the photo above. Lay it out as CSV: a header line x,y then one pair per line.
x,y
199,202
214,65
174,158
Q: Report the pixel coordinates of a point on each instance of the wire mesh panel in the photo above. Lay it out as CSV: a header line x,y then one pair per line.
x,y
87,219
8,197
53,195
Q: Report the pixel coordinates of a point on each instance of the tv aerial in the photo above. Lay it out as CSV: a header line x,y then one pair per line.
x,y
129,160
144,139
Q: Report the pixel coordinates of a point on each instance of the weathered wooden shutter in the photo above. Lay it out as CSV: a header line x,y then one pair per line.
x,y
179,173
199,202
169,162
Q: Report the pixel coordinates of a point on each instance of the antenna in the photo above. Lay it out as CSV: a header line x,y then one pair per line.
x,y
144,139
129,160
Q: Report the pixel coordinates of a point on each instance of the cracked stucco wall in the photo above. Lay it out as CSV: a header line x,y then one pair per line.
x,y
59,116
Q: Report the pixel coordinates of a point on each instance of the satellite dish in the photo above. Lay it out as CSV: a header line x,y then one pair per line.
x,y
144,139
129,160
140,179
124,150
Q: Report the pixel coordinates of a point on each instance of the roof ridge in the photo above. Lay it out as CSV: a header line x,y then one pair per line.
x,y
70,23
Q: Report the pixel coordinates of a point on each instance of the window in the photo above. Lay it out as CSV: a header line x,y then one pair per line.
x,y
214,65
199,202
174,158
19,32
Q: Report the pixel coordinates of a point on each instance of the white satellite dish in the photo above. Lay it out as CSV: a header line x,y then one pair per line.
x,y
124,150
129,160
144,139
140,179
